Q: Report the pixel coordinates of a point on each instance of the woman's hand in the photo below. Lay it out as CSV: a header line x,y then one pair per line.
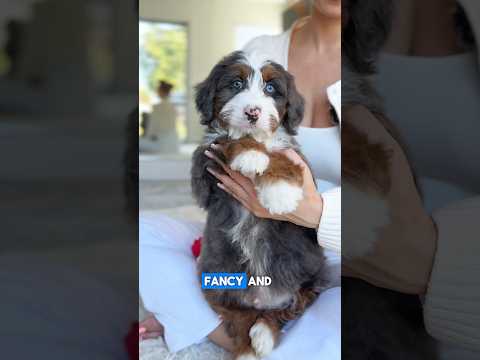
x,y
150,328
308,211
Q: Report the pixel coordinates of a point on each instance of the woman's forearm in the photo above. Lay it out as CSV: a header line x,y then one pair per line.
x,y
309,212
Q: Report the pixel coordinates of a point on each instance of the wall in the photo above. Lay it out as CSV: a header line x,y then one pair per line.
x,y
212,25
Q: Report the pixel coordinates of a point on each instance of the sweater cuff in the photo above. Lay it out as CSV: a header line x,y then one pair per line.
x,y
452,303
330,227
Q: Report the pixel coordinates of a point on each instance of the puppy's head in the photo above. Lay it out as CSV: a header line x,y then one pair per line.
x,y
248,95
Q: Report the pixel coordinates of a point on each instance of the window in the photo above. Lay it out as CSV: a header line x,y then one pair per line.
x,y
163,49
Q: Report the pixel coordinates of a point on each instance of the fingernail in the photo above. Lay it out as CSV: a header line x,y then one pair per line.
x,y
142,330
208,153
213,145
220,185
211,171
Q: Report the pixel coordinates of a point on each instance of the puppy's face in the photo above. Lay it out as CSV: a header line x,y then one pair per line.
x,y
248,95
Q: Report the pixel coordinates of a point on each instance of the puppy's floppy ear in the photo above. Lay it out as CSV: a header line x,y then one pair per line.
x,y
295,107
205,97
207,89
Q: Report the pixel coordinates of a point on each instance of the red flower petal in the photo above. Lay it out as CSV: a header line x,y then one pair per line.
x,y
196,247
131,342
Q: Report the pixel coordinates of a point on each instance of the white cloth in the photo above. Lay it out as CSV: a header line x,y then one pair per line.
x,y
168,281
322,147
170,289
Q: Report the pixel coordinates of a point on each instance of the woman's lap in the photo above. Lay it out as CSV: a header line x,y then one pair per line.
x,y
168,281
170,290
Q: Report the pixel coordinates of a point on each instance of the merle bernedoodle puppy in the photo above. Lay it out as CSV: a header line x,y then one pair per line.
x,y
252,109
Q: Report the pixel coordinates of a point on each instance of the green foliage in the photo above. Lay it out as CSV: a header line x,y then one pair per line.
x,y
166,54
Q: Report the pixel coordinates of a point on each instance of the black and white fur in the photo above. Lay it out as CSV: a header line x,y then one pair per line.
x,y
234,239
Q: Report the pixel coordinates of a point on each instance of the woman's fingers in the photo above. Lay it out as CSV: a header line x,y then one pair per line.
x,y
230,186
241,198
150,329
150,335
233,187
213,156
243,181
222,177
150,324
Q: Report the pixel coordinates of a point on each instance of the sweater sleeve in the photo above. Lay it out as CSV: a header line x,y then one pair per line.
x,y
330,230
452,306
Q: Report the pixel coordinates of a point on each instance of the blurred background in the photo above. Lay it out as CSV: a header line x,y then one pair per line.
x,y
179,43
68,82
67,85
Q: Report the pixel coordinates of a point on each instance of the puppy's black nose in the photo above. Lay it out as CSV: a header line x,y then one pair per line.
x,y
252,113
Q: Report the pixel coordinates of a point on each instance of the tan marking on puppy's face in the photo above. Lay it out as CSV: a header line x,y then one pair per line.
x,y
275,77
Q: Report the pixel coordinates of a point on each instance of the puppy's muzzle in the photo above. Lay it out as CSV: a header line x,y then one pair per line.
x,y
253,113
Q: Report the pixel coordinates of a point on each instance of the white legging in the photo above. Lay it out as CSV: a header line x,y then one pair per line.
x,y
170,290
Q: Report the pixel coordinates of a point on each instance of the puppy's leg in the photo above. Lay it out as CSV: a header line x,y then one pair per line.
x,y
280,187
248,157
264,335
238,324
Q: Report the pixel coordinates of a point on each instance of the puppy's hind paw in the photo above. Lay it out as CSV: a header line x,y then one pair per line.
x,y
250,163
246,356
281,197
262,338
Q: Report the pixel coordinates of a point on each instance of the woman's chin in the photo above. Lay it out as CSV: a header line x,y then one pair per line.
x,y
328,8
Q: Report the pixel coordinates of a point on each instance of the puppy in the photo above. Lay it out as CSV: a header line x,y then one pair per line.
x,y
250,105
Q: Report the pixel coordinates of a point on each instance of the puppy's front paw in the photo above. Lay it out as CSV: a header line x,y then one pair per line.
x,y
280,197
250,163
262,338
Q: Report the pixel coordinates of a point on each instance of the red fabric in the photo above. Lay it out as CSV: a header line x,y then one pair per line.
x,y
131,342
196,247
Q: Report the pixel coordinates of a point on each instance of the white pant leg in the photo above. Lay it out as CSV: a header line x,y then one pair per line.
x,y
168,281
317,334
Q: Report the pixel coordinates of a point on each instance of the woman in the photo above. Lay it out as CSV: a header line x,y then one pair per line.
x,y
311,44
161,134
428,261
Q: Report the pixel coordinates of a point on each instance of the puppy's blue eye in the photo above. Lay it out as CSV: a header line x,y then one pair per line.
x,y
237,84
269,89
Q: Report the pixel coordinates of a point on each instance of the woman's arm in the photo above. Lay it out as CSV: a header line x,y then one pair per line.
x,y
330,227
402,256
308,212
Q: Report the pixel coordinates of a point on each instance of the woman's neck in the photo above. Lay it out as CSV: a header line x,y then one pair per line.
x,y
322,32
